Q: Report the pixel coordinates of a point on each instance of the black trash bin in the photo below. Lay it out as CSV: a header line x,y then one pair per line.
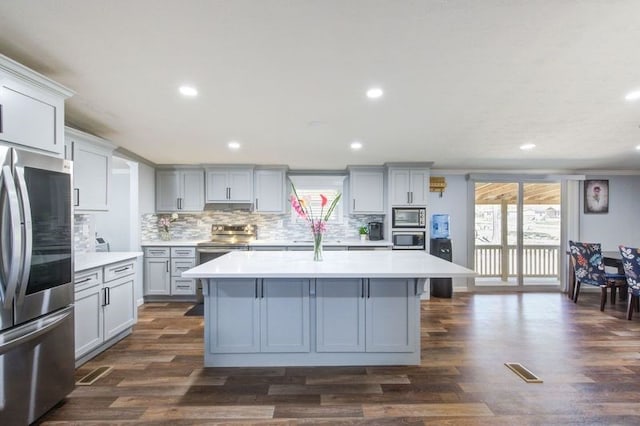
x,y
441,287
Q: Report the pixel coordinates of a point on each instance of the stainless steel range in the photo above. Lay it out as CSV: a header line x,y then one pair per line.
x,y
224,239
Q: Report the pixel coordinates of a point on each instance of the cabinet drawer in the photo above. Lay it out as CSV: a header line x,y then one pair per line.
x,y
120,269
178,266
183,286
183,252
157,252
87,279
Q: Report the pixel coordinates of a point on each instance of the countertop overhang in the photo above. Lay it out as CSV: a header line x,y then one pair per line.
x,y
85,261
340,264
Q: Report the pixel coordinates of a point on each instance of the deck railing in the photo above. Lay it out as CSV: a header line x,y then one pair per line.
x,y
538,261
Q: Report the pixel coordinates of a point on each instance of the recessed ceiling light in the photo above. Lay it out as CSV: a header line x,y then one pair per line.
x,y
632,96
638,147
374,93
233,145
355,145
527,146
188,91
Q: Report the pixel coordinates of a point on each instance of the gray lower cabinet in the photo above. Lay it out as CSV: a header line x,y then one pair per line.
x,y
258,315
390,315
163,268
340,315
157,276
365,315
105,307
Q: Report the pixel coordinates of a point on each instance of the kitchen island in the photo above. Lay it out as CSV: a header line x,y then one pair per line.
x,y
265,308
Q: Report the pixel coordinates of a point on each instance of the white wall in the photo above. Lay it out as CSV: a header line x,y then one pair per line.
x,y
619,226
146,189
454,203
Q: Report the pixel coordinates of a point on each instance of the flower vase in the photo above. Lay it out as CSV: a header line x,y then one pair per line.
x,y
165,235
317,247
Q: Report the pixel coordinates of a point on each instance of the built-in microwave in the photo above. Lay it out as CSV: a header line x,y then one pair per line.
x,y
408,240
408,217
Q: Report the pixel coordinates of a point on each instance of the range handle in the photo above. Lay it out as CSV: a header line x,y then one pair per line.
x,y
27,235
8,288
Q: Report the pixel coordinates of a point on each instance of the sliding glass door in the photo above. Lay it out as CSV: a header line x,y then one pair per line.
x,y
517,234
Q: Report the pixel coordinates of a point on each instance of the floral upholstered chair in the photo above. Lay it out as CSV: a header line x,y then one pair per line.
x,y
589,269
631,264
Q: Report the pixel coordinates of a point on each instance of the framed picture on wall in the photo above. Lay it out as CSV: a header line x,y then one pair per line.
x,y
596,196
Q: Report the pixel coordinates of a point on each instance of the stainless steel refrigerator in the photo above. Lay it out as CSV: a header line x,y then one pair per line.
x,y
36,284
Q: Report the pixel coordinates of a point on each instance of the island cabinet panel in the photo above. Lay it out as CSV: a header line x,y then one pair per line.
x,y
261,315
390,315
234,312
340,306
284,315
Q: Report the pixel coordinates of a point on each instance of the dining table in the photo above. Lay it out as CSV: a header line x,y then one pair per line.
x,y
609,258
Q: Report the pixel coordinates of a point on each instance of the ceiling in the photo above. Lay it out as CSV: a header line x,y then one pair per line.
x,y
466,82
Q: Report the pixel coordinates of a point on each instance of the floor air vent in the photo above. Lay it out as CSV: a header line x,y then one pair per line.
x,y
523,372
90,378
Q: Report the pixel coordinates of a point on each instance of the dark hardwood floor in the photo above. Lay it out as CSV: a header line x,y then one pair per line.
x,y
589,362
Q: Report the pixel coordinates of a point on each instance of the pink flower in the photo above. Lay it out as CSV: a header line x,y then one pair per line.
x,y
324,200
319,227
296,204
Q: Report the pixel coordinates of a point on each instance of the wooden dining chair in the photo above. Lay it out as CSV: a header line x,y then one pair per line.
x,y
631,265
589,269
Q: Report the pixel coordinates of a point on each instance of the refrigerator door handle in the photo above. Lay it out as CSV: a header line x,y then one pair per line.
x,y
31,330
9,290
27,233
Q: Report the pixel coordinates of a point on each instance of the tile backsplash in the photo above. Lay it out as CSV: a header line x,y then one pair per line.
x,y
195,226
84,240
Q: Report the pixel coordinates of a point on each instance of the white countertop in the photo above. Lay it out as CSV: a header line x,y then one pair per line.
x,y
173,243
273,243
86,261
343,264
326,242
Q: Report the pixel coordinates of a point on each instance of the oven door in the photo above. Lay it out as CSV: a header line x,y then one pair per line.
x,y
44,188
206,254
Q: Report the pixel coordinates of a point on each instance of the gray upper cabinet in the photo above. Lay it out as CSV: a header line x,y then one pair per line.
x,y
409,187
367,191
179,190
31,108
91,158
270,192
229,185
